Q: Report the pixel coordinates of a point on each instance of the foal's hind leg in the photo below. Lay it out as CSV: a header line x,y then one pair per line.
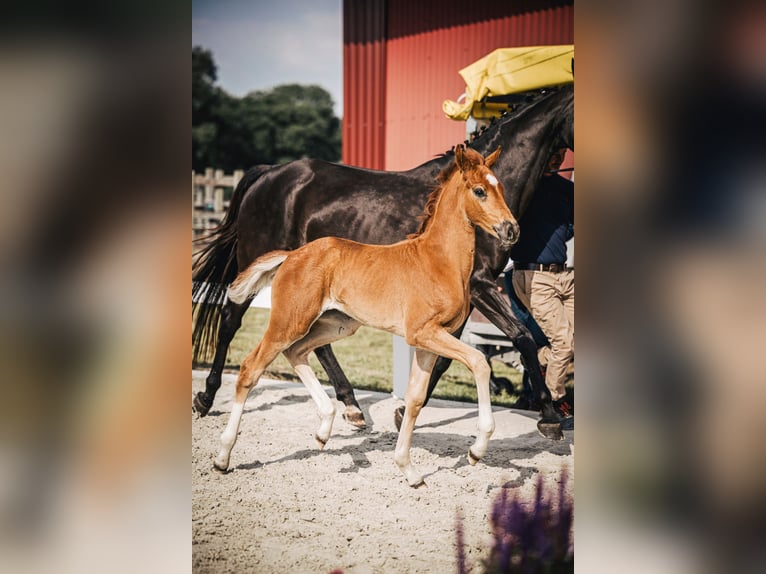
x,y
328,328
251,370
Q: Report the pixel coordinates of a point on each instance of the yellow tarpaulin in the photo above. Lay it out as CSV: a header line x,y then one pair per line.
x,y
510,71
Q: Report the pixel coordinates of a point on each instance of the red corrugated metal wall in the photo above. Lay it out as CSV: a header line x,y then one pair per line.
x,y
364,82
423,46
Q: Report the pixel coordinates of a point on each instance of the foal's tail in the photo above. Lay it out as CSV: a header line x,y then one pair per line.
x,y
214,268
259,275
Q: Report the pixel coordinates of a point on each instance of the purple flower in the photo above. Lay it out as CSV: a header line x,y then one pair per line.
x,y
527,539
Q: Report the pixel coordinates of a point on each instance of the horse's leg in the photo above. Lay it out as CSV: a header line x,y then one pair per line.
x,y
496,308
422,364
439,341
325,330
343,389
283,330
440,367
231,320
251,370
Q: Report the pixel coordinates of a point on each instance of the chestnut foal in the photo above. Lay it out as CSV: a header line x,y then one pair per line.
x,y
417,288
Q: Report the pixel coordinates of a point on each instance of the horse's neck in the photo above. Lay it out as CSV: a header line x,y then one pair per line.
x,y
527,145
429,170
527,142
450,236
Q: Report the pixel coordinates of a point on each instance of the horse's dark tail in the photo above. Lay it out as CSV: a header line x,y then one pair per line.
x,y
214,267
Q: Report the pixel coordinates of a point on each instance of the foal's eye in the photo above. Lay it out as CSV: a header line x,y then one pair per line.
x,y
479,192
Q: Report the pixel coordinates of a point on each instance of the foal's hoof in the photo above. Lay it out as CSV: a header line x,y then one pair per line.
x,y
398,416
199,406
219,470
320,443
355,418
472,458
550,430
419,484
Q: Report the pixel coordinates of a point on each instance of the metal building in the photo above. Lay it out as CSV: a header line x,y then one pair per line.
x,y
401,60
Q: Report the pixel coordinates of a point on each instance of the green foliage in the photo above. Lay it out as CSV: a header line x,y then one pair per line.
x,y
204,75
273,126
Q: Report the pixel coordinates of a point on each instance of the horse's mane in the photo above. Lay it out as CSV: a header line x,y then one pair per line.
x,y
514,110
527,99
433,198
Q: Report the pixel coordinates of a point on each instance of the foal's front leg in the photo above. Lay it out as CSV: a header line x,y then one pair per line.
x,y
414,399
497,308
442,343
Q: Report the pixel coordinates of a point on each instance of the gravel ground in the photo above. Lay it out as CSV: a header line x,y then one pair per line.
x,y
287,507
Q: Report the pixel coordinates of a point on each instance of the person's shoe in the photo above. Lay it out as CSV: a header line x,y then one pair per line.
x,y
563,408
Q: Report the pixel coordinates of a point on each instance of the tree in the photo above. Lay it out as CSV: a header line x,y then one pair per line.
x,y
204,92
272,126
293,121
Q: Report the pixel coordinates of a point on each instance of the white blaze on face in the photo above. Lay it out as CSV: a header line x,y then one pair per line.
x,y
491,179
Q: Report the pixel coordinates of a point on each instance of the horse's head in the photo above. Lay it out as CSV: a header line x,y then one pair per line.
x,y
530,134
484,201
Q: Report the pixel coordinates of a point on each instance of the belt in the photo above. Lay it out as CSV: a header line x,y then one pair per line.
x,y
552,267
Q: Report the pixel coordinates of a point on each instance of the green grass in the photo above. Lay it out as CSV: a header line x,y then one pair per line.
x,y
367,360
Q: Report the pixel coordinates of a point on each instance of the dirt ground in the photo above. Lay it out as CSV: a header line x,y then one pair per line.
x,y
288,507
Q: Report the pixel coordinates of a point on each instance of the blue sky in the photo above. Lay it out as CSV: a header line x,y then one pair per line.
x,y
260,44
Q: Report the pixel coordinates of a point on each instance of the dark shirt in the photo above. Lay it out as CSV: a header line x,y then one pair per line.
x,y
547,223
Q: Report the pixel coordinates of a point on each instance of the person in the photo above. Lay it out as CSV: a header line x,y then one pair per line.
x,y
541,278
527,400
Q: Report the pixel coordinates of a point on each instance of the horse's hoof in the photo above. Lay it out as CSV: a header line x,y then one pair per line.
x,y
550,430
472,458
199,406
419,484
398,416
320,443
355,419
219,470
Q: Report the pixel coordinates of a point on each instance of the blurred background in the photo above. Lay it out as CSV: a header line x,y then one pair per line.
x,y
671,271
94,244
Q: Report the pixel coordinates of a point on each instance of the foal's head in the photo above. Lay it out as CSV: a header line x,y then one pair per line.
x,y
483,194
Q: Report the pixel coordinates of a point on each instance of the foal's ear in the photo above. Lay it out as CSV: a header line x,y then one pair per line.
x,y
490,160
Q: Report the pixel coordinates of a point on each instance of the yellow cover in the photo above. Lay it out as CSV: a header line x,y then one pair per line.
x,y
510,71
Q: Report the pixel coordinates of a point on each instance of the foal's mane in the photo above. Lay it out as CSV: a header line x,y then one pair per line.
x,y
433,198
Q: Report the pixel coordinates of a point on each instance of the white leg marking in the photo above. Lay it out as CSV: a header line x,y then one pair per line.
x,y
402,451
229,436
486,424
416,391
325,407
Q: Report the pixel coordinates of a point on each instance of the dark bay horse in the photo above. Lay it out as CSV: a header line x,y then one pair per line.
x,y
286,206
417,288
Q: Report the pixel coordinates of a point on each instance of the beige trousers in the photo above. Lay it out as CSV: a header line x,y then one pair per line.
x,y
550,299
